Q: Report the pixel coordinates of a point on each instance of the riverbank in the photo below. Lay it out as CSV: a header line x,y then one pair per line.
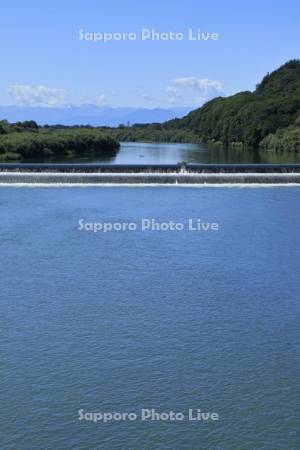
x,y
25,140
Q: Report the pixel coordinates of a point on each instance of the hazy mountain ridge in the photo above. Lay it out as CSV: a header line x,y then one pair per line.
x,y
90,115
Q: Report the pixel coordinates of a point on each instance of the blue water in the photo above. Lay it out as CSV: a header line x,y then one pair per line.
x,y
167,153
169,320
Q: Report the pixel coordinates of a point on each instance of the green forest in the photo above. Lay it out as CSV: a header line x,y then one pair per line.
x,y
268,119
25,141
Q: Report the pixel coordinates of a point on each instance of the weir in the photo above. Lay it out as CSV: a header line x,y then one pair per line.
x,y
172,174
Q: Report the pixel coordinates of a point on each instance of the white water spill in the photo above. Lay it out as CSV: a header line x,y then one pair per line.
x,y
146,178
156,185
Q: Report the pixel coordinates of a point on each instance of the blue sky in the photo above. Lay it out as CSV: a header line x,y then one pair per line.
x,y
44,62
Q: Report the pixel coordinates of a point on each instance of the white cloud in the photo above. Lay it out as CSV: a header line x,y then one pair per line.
x,y
100,101
25,95
174,95
185,91
172,90
149,98
193,90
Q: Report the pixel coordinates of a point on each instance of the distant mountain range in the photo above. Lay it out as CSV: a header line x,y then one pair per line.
x,y
90,115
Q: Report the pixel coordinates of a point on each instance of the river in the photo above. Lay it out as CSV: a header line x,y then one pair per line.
x,y
170,320
158,153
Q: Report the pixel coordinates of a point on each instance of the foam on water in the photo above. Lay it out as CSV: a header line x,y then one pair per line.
x,y
142,185
151,179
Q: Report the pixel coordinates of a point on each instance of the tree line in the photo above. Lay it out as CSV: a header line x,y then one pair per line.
x,y
267,118
25,140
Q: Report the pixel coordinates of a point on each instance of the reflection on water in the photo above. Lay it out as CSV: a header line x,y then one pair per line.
x,y
156,153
